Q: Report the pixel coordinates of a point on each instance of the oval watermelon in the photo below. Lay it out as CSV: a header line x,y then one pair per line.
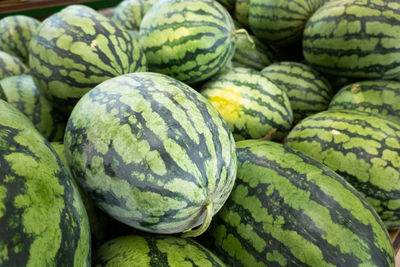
x,y
42,218
154,251
151,152
287,209
354,38
76,49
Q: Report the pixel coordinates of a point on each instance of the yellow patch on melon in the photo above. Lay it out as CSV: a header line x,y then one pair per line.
x,y
228,103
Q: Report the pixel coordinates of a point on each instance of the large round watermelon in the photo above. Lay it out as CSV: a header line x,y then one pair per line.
x,y
76,49
151,152
42,218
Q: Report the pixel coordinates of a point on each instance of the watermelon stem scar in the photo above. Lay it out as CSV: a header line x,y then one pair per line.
x,y
244,31
207,220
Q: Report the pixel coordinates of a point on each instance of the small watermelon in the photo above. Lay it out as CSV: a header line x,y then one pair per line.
x,y
129,13
248,55
379,97
76,49
21,92
42,218
10,66
250,104
154,251
189,40
361,147
15,34
287,209
151,152
308,91
281,22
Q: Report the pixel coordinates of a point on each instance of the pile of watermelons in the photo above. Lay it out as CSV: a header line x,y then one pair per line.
x,y
201,133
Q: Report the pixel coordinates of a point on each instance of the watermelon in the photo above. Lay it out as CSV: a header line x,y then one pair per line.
x,y
42,218
308,91
21,92
10,66
188,40
379,97
129,13
15,34
287,209
256,56
281,22
250,104
76,49
361,147
241,12
355,38
154,251
151,152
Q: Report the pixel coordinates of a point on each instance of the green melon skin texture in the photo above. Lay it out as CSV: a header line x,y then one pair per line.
x,y
188,40
21,92
42,218
151,152
380,97
154,251
247,55
10,66
250,104
308,91
129,13
76,49
15,34
241,12
281,22
361,147
355,38
287,209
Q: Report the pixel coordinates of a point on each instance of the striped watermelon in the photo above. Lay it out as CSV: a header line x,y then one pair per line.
x,y
189,40
380,97
289,210
15,35
76,49
281,22
247,55
307,90
355,38
154,251
241,12
10,66
166,162
361,147
250,104
21,92
129,13
42,218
